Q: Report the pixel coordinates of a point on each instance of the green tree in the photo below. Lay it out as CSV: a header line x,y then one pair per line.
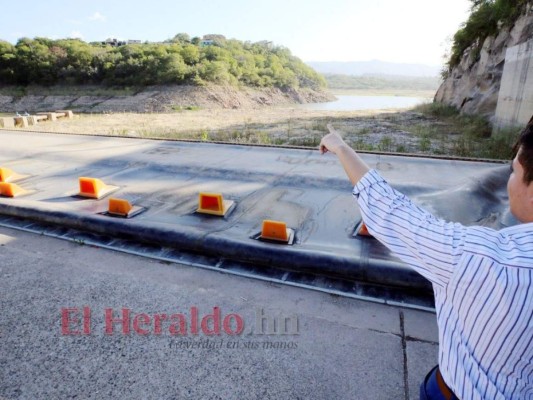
x,y
35,62
214,71
8,59
71,61
486,18
190,54
182,38
78,64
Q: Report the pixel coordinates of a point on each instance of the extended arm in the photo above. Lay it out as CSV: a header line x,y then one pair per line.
x,y
430,245
354,166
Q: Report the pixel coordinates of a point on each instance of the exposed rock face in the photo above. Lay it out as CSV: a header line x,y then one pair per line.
x,y
474,84
163,99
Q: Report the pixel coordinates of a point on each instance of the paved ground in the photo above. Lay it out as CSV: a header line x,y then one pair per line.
x,y
343,349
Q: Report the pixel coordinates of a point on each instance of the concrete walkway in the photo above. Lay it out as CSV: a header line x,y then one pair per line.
x,y
340,348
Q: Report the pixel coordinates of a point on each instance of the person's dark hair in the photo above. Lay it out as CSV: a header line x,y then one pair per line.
x,y
525,142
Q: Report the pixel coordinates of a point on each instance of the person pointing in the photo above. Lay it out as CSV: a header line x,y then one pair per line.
x,y
482,278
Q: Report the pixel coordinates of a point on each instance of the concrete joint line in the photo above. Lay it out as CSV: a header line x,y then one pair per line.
x,y
404,350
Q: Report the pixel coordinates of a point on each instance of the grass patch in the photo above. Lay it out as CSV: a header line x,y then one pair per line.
x,y
312,141
386,144
400,148
360,144
185,108
437,110
425,144
431,129
461,135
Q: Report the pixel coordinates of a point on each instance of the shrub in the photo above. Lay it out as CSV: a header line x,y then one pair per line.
x,y
438,110
180,60
485,18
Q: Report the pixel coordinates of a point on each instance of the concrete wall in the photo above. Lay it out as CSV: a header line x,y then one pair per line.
x,y
515,99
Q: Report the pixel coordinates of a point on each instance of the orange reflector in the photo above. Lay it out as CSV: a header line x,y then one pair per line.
x,y
10,190
8,175
123,209
213,203
119,207
91,187
275,230
362,230
94,188
5,174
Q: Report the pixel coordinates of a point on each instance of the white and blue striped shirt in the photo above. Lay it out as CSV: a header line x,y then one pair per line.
x,y
483,285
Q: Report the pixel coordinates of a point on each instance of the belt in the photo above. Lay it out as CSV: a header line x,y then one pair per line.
x,y
444,389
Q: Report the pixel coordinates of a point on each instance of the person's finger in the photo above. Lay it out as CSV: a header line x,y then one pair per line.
x,y
322,147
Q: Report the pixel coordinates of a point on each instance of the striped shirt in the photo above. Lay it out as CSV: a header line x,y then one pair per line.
x,y
482,282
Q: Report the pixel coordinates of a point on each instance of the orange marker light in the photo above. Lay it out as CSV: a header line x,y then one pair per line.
x,y
362,230
5,174
94,188
123,209
8,175
91,187
119,207
10,190
213,203
275,230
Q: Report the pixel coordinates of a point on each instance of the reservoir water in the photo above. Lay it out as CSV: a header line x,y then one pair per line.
x,y
350,103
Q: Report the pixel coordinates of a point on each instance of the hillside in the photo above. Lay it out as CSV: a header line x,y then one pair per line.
x,y
164,98
177,61
213,72
474,70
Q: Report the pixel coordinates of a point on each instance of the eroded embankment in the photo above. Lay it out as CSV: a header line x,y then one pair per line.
x,y
157,99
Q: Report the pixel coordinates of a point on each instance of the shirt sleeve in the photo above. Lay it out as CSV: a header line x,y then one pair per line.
x,y
431,246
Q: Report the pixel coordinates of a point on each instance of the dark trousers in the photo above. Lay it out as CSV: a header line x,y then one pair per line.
x,y
431,389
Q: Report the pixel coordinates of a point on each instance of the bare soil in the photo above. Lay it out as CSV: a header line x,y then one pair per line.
x,y
153,99
225,116
385,130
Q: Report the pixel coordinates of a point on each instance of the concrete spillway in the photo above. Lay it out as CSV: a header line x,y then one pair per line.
x,y
307,190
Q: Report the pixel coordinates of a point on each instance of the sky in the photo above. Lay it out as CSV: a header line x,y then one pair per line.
x,y
402,31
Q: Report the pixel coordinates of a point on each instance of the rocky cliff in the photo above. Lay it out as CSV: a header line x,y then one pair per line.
x,y
164,99
474,84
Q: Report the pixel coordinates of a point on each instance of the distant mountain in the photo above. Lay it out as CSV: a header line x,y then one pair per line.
x,y
374,67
